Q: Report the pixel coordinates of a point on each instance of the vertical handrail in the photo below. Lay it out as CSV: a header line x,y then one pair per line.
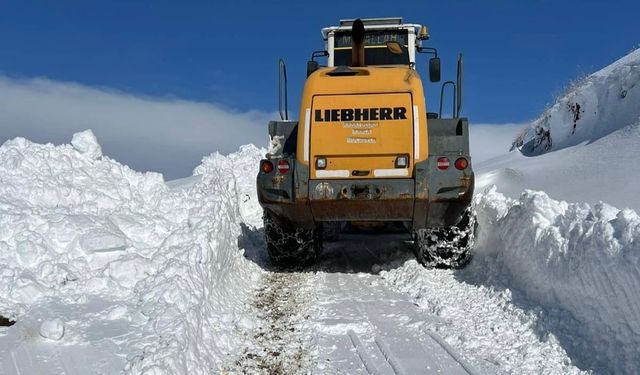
x,y
453,112
282,76
459,86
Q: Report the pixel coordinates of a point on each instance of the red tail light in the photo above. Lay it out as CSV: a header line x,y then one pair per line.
x,y
443,163
283,166
266,166
461,163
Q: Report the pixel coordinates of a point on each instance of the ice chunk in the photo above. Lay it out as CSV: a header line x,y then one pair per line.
x,y
52,329
102,240
276,145
86,143
128,271
28,252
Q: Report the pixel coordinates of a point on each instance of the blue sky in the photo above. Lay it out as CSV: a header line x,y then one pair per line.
x,y
163,83
518,54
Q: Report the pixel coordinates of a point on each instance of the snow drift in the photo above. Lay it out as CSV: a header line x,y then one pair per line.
x,y
124,271
565,279
573,257
604,170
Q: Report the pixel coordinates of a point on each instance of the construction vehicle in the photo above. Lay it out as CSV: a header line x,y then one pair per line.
x,y
366,151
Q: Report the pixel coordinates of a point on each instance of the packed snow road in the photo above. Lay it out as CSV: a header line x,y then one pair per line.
x,y
344,316
338,317
365,328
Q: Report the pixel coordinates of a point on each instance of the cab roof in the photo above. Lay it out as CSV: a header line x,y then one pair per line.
x,y
372,24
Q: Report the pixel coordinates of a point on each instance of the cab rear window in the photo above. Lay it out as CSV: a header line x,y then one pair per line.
x,y
375,47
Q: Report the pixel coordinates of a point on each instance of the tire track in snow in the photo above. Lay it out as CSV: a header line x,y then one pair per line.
x,y
279,343
361,326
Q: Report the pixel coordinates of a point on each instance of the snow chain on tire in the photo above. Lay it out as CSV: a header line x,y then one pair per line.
x,y
448,247
290,247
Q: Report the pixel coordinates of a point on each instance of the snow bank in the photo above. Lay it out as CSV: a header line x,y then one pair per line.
x,y
578,261
551,285
94,254
594,107
569,257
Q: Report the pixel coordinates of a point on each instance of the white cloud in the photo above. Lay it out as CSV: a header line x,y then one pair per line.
x,y
487,141
164,135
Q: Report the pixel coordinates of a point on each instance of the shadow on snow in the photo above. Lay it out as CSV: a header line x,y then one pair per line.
x,y
353,253
488,271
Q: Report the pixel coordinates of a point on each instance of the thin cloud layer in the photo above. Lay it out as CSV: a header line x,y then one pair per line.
x,y
148,134
151,134
487,141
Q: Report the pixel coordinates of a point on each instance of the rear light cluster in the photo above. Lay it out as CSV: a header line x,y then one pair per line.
x,y
402,161
266,166
283,166
321,163
443,163
460,163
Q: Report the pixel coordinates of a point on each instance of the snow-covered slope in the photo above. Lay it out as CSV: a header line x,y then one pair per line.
x,y
584,148
600,104
603,170
121,270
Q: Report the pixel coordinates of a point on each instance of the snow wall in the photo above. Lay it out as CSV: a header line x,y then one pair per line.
x,y
569,258
161,264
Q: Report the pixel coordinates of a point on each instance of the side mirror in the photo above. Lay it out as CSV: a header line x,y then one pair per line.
x,y
434,69
312,66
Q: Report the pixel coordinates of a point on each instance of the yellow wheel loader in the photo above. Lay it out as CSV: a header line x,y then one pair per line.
x,y
367,152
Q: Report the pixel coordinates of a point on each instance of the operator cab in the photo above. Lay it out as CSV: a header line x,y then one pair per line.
x,y
387,41
378,42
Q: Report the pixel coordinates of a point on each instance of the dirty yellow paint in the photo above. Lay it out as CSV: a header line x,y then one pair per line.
x,y
363,122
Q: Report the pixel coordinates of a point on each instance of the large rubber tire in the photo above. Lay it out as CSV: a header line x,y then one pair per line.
x,y
288,245
331,231
448,247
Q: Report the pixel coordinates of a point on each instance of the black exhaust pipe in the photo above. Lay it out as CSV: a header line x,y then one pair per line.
x,y
357,43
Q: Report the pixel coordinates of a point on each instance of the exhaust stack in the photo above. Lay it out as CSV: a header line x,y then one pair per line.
x,y
357,43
